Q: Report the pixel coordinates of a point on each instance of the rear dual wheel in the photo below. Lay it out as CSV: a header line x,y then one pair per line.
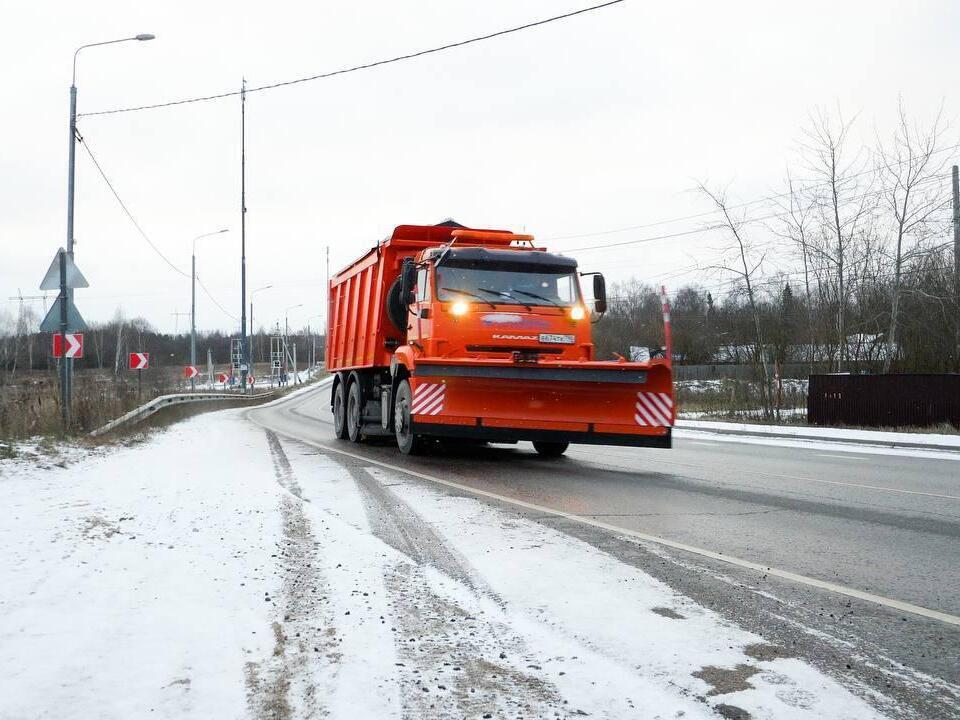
x,y
354,421
340,410
346,410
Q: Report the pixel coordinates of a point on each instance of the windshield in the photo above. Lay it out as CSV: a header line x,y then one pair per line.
x,y
514,285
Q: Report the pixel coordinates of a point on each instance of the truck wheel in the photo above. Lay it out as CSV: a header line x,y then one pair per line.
x,y
408,443
353,412
340,412
551,449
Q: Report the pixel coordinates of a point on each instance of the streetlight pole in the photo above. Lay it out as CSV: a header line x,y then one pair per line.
x,y
71,179
71,168
244,354
313,342
252,293
193,301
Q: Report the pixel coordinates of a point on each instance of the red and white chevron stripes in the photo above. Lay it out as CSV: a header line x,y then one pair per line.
x,y
428,399
654,409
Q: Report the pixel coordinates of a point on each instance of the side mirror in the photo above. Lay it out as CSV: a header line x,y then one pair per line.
x,y
408,281
599,294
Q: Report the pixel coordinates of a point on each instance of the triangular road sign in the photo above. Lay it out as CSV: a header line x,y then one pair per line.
x,y
75,279
51,323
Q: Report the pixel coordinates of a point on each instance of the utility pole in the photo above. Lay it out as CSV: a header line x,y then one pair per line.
x,y
956,262
64,361
72,168
176,322
244,354
193,313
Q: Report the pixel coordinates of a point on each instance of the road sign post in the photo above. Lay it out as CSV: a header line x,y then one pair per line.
x,y
64,363
139,361
63,318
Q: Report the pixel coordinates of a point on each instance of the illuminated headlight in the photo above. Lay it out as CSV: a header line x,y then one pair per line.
x,y
459,308
577,312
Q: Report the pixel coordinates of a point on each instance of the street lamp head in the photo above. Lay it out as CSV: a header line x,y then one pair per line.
x,y
145,36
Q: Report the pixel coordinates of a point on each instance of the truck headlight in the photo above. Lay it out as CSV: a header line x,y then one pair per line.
x,y
459,308
577,312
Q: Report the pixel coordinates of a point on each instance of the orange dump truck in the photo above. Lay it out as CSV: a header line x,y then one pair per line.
x,y
442,331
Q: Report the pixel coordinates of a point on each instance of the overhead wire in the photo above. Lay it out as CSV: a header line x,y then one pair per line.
x,y
737,206
357,68
697,231
123,206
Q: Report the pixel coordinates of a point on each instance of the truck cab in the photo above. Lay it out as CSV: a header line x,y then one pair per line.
x,y
475,302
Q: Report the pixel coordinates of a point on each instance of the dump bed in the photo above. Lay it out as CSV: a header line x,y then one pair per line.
x,y
359,332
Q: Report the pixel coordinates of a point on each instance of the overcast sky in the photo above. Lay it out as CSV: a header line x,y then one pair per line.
x,y
602,121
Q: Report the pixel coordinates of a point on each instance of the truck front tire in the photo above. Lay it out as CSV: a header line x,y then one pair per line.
x,y
407,441
340,410
550,449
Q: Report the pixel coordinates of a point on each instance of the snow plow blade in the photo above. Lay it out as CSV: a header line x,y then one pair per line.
x,y
594,403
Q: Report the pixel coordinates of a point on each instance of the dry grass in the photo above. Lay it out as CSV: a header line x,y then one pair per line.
x,y
30,403
30,406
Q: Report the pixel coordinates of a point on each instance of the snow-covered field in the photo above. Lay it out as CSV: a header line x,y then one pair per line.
x,y
220,571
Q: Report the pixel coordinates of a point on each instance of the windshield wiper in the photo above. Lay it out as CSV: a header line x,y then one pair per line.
x,y
481,298
538,297
504,293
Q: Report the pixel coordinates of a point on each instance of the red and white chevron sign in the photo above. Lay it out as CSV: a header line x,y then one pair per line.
x,y
190,372
74,345
428,399
139,361
654,409
222,378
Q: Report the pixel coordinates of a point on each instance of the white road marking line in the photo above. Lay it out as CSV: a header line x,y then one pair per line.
x,y
700,442
842,457
748,564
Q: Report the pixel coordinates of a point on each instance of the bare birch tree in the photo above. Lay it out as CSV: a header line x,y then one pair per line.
x,y
912,178
744,266
842,192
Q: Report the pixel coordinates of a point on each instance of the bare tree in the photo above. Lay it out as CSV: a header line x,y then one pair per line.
x,y
795,225
741,261
911,176
845,202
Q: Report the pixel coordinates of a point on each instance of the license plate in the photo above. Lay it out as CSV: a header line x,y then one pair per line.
x,y
557,339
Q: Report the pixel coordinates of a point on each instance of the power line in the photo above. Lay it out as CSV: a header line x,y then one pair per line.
x,y
356,68
738,206
214,301
697,231
143,234
126,210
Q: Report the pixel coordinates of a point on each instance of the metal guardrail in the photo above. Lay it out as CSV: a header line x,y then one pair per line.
x,y
144,411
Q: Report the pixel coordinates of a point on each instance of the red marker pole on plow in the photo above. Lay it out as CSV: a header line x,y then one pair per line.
x,y
667,331
668,341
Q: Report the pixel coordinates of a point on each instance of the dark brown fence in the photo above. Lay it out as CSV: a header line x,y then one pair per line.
x,y
884,400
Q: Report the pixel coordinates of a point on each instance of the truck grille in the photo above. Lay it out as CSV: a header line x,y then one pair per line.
x,y
508,349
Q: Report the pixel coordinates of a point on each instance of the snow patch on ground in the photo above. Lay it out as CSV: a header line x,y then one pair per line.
x,y
218,570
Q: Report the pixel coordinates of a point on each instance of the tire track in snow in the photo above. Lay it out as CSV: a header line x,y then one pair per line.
x,y
284,685
459,657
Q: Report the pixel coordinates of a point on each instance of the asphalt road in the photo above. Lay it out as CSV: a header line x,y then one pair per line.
x,y
878,522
